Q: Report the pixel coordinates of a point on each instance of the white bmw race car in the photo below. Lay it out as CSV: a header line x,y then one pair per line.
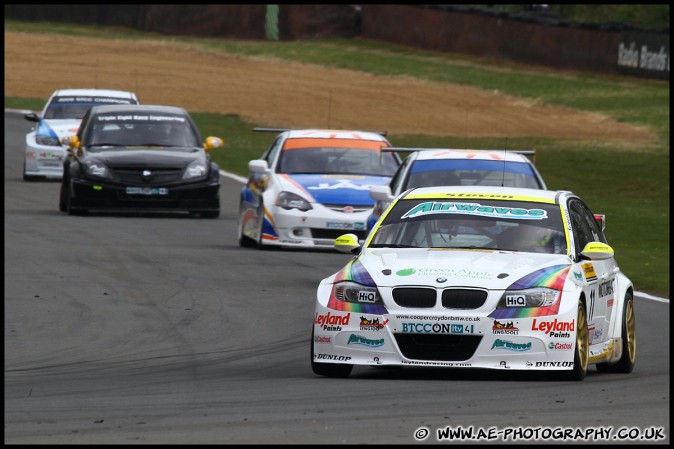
x,y
478,277
61,117
312,186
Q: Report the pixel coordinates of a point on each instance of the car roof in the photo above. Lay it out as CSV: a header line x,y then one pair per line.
x,y
334,134
487,192
491,155
95,92
138,108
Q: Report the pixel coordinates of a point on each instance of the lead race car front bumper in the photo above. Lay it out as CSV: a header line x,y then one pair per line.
x,y
445,338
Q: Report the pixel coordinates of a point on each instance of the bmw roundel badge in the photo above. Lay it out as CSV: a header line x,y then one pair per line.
x,y
441,280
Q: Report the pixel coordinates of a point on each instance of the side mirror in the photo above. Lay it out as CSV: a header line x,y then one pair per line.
x,y
32,117
258,166
381,193
347,243
71,141
596,251
211,143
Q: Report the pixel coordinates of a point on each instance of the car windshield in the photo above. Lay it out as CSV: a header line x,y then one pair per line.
x,y
473,224
74,107
139,130
342,161
465,172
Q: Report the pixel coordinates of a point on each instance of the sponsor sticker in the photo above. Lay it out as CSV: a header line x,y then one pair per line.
x,y
445,272
588,271
515,300
322,339
446,207
338,358
146,191
554,328
340,184
563,346
371,324
511,346
339,225
139,118
437,328
331,322
50,163
504,328
605,288
355,339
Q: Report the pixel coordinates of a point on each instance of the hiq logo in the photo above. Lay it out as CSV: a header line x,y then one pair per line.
x,y
367,297
515,301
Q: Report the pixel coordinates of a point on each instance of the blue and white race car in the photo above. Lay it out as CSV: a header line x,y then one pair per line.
x,y
61,117
430,167
312,186
478,277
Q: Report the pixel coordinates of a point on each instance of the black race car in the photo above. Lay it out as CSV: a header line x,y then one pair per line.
x,y
140,158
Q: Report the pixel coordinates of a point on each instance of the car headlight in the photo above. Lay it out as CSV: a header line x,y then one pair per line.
x,y
533,297
196,169
97,169
47,140
289,200
354,292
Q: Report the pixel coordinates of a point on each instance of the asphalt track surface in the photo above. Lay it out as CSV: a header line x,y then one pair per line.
x,y
160,329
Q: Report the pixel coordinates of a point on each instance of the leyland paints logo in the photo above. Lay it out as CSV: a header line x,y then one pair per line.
x,y
560,329
331,322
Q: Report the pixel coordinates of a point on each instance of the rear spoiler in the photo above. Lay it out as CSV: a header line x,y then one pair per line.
x,y
412,149
271,130
280,130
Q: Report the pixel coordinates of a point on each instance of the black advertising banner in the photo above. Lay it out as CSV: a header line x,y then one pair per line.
x,y
643,54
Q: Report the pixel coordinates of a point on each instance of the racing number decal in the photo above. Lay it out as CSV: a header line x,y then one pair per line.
x,y
590,306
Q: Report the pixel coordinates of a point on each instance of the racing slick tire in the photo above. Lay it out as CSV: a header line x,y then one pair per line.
x,y
338,370
260,225
63,207
629,336
210,214
244,241
70,208
581,354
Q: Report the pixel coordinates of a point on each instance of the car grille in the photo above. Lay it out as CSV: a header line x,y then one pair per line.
x,y
450,348
340,208
415,297
318,233
463,299
135,176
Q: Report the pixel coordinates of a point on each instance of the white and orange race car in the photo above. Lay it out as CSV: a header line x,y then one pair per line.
x,y
312,185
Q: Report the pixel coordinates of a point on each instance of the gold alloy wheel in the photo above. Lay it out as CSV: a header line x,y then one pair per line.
x,y
582,339
631,331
